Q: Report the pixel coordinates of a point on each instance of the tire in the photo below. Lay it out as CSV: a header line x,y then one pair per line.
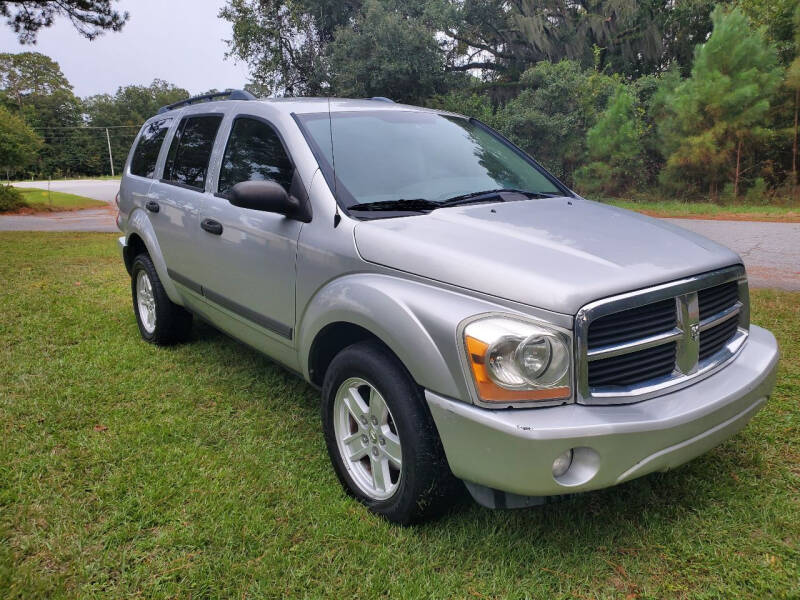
x,y
162,322
422,485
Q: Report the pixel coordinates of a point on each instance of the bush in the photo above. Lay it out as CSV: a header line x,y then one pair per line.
x,y
758,192
10,199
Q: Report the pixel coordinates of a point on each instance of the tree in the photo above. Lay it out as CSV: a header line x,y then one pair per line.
x,y
614,148
33,87
124,112
283,42
386,54
550,118
717,116
793,83
18,142
132,104
90,17
28,75
777,17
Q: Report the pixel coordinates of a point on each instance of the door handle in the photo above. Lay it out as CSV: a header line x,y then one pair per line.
x,y
211,226
152,206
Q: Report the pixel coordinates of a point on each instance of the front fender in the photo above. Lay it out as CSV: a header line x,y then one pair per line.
x,y
139,224
417,321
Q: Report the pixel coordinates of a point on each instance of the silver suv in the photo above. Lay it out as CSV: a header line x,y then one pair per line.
x,y
465,315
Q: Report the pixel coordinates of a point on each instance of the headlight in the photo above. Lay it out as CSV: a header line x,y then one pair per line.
x,y
512,360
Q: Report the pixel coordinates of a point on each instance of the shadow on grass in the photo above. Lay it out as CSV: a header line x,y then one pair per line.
x,y
581,524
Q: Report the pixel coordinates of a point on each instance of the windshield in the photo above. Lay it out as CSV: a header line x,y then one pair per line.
x,y
389,155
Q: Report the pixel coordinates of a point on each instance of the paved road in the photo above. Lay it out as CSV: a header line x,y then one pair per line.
x,y
771,251
89,188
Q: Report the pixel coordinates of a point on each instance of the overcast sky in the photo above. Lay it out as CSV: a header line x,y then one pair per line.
x,y
180,41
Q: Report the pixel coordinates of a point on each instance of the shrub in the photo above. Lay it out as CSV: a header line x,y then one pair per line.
x,y
758,192
10,199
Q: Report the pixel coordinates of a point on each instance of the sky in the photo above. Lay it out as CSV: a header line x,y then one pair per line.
x,y
180,41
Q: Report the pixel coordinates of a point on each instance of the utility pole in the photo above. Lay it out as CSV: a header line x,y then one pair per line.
x,y
110,158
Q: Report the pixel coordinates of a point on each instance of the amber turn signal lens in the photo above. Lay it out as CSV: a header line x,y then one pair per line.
x,y
490,391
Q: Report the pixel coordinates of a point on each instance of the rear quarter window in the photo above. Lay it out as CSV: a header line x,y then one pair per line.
x,y
190,151
145,155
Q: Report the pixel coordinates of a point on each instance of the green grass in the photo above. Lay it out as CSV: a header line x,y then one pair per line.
x,y
72,178
42,200
130,471
674,208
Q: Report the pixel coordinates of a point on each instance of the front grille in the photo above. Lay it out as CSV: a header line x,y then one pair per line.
x,y
633,349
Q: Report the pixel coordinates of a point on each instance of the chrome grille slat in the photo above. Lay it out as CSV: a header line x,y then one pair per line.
x,y
641,344
648,363
636,344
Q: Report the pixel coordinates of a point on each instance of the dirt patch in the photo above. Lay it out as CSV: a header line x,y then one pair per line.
x,y
791,217
44,209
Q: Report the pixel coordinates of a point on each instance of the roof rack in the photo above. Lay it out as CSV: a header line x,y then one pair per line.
x,y
227,95
381,99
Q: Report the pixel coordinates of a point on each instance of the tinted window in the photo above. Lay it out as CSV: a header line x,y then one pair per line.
x,y
392,154
254,152
187,161
146,154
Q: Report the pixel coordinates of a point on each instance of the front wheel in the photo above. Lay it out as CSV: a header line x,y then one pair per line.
x,y
381,438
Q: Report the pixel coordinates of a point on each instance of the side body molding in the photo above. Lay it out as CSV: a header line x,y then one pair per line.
x,y
139,224
417,321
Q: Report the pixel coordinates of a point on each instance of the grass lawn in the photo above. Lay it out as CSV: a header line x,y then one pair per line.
x,y
200,471
709,210
41,201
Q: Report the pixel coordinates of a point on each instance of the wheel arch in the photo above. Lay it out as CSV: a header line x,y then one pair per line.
x,y
415,321
140,236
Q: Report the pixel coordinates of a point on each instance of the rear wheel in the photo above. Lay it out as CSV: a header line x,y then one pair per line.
x,y
381,437
160,320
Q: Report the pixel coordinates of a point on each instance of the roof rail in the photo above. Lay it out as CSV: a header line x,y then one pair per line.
x,y
227,95
381,99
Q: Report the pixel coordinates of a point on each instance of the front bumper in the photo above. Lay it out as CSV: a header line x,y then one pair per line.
x,y
513,450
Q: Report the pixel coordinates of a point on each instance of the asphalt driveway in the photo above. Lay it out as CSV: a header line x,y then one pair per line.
x,y
771,251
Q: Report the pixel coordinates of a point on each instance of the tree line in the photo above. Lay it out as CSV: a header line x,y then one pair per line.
x,y
691,98
685,98
47,131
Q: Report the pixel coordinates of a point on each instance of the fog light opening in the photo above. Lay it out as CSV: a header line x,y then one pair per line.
x,y
562,463
577,466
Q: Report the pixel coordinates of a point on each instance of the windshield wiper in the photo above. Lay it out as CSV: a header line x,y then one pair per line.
x,y
424,205
487,194
401,204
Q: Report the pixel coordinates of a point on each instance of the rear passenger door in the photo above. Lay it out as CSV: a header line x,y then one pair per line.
x,y
251,258
175,201
137,182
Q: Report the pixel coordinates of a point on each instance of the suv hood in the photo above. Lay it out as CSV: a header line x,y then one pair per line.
x,y
557,253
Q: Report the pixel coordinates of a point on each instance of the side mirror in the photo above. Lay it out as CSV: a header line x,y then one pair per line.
x,y
266,196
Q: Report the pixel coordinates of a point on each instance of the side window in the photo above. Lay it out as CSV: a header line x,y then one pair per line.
x,y
254,152
190,151
145,156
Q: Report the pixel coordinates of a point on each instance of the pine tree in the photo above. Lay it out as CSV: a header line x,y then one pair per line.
x,y
615,148
717,116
